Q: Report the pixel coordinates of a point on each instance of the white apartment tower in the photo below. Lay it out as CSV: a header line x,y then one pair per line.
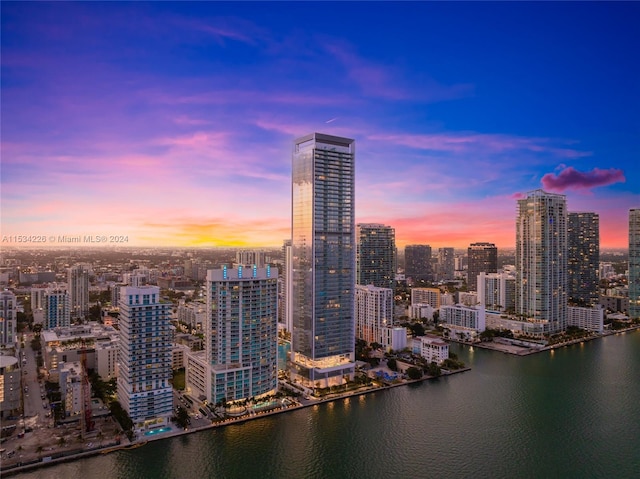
x,y
241,334
374,311
541,259
497,291
145,357
323,260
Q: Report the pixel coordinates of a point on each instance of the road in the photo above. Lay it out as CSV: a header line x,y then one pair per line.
x,y
35,412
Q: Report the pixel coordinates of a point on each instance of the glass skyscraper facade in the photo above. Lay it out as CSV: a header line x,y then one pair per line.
x,y
634,263
481,258
541,260
323,259
376,255
446,264
417,262
583,261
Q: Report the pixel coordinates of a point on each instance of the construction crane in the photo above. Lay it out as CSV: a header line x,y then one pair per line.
x,y
87,425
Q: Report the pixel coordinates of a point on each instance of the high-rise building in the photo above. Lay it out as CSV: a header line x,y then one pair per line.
x,y
375,255
251,257
634,263
497,291
285,307
430,296
78,287
541,259
144,357
374,311
583,260
7,318
446,264
417,262
57,310
241,334
323,260
481,258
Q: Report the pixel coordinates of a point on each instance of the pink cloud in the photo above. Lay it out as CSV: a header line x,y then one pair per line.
x,y
572,179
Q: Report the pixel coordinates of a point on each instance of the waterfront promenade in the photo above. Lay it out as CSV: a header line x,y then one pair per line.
x,y
30,453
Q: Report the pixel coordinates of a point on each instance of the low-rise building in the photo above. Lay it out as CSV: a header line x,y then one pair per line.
x,y
591,319
394,339
468,298
420,311
463,316
98,342
432,348
498,320
70,380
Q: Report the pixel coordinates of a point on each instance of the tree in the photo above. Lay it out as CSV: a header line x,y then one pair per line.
x,y
392,364
417,329
95,313
182,417
122,417
433,370
414,373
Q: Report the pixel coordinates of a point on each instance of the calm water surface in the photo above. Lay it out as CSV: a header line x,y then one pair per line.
x,y
573,413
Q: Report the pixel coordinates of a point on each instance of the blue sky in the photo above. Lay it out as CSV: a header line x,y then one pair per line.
x,y
172,123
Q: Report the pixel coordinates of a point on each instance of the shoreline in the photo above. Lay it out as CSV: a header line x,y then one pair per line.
x,y
301,404
516,350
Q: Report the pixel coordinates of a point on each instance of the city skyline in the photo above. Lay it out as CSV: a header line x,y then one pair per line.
x,y
191,111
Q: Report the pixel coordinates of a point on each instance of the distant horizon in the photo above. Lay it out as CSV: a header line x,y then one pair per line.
x,y
235,248
173,123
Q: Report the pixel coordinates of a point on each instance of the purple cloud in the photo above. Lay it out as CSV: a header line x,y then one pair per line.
x,y
572,179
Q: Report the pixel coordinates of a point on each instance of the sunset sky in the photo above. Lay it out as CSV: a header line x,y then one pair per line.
x,y
173,124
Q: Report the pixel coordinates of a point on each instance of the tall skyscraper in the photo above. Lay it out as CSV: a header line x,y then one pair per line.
x,y
583,260
375,255
446,264
241,334
481,258
285,307
78,287
417,262
323,260
8,319
634,263
144,357
541,259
